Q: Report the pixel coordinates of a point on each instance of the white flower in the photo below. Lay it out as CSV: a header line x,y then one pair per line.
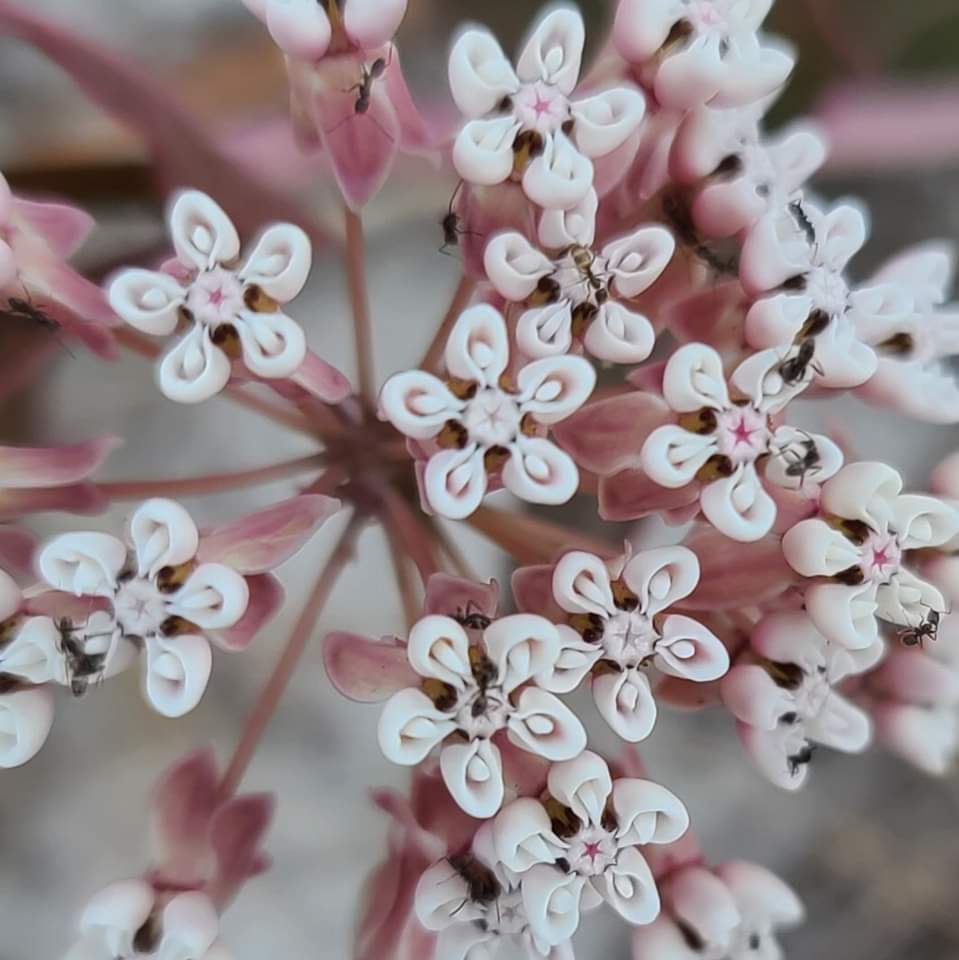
x,y
26,716
742,173
914,375
577,294
731,912
232,311
476,687
482,424
856,550
616,628
719,440
583,846
161,598
798,257
523,125
476,906
127,920
786,700
701,51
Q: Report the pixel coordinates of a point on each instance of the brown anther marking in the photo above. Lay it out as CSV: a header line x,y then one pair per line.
x,y
588,625
702,421
717,467
789,676
547,291
176,627
505,383
505,105
691,938
564,822
856,531
609,821
258,301
568,126
9,682
606,666
583,316
816,322
528,426
728,166
462,389
900,344
147,938
851,576
623,597
527,145
184,317
453,436
8,630
228,340
796,283
495,459
172,578
442,694
678,34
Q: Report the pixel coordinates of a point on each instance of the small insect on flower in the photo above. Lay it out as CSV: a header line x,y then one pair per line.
x,y
82,668
926,629
800,759
793,369
24,310
482,887
801,464
803,221
471,618
452,224
364,88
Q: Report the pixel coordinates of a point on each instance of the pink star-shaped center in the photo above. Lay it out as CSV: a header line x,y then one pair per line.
x,y
591,850
541,106
741,433
216,297
880,558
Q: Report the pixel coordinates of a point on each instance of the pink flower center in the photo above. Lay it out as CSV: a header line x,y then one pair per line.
x,y
880,557
592,851
492,418
742,434
216,297
541,107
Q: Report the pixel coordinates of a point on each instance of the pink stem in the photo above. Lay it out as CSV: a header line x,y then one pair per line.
x,y
412,534
235,480
359,301
266,703
404,583
461,297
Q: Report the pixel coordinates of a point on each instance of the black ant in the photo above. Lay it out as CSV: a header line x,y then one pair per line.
x,y
81,667
803,221
793,370
452,225
482,887
926,629
24,310
801,464
583,258
364,93
801,759
471,618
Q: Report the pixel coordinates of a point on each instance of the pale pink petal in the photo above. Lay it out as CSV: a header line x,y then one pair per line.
x,y
521,645
63,228
688,649
692,75
552,901
844,615
479,73
559,229
274,346
662,940
364,670
202,233
195,369
415,133
82,563
553,388
583,784
26,717
17,546
190,925
514,266
235,837
418,404
739,506
638,259
631,494
27,467
478,346
371,23
544,725
694,379
771,750
642,26
863,491
300,28
280,262
840,725
647,813
672,456
757,890
581,584
926,738
163,534
147,300
410,726
214,597
546,331
438,647
321,379
752,696
661,577
629,888
263,540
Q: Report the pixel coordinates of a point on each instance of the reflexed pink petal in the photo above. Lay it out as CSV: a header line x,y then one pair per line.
x,y
712,316
448,596
76,320
76,498
630,494
371,23
532,589
265,599
366,670
264,540
415,134
26,467
736,574
63,227
236,835
606,436
322,379
16,551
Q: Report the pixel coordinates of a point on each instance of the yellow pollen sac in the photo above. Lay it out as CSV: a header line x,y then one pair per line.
x,y
172,578
588,625
442,694
715,468
228,340
563,821
175,626
462,389
624,598
528,426
583,316
495,459
899,345
526,146
856,531
701,421
258,301
453,436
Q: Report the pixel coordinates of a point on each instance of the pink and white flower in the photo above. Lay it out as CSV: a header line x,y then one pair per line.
x,y
741,174
730,912
720,441
690,52
618,627
577,295
232,312
522,124
856,551
796,259
785,696
478,681
913,373
582,845
35,241
484,422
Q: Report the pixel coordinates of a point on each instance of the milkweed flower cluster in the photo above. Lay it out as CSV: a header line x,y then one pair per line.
x,y
649,295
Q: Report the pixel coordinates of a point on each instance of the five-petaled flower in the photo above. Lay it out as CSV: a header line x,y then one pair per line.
x,y
522,124
691,52
161,599
577,293
720,440
856,551
730,912
580,846
477,681
785,699
484,421
232,312
618,626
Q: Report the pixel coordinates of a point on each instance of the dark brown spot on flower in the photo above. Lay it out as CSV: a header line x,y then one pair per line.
x,y
547,291
678,34
588,625
171,578
495,459
564,822
795,284
608,820
505,105
8,682
228,340
701,421
176,626
716,467
789,676
729,166
184,317
462,389
453,436
8,630
147,938
851,576
857,531
442,694
898,345
527,145
257,300
816,322
583,315
528,426
623,597
568,126
692,939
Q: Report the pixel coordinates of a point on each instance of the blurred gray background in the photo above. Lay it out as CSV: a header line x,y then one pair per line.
x,y
872,847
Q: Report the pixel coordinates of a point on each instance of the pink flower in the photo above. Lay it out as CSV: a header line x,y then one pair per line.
x,y
785,696
483,422
35,241
691,52
522,124
231,312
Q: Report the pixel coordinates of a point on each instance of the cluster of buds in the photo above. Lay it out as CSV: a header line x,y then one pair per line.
x,y
644,228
